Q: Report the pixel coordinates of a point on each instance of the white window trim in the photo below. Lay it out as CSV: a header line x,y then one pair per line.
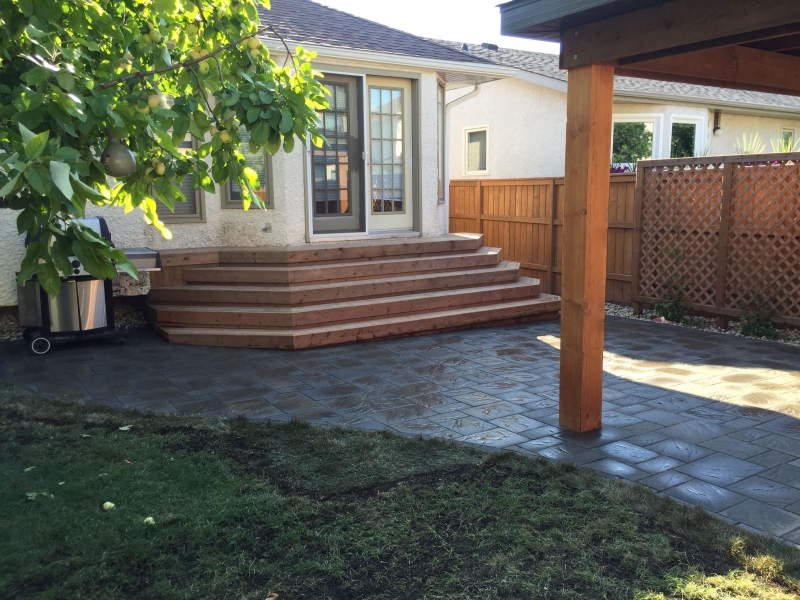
x,y
700,134
467,131
654,118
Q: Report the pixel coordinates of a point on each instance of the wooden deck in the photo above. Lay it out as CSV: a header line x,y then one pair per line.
x,y
318,295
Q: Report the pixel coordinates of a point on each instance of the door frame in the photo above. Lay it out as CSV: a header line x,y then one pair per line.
x,y
416,184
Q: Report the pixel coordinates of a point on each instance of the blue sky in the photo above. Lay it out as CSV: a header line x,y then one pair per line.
x,y
474,21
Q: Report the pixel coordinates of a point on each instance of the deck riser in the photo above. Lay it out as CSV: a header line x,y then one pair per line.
x,y
337,273
211,317
295,341
349,291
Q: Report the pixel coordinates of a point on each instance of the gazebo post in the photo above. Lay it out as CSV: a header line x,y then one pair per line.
x,y
590,96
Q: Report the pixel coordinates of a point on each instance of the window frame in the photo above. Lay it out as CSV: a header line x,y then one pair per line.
x,y
228,203
467,131
199,216
403,141
793,131
656,119
701,127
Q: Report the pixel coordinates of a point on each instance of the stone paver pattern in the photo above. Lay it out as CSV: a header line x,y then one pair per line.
x,y
707,419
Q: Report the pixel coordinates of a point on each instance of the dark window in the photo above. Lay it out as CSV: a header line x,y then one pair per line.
x,y
331,162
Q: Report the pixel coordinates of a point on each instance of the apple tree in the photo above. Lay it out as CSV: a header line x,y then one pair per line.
x,y
80,78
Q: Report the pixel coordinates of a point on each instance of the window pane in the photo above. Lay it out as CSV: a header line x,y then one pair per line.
x,y
683,140
257,162
331,162
386,131
632,142
476,151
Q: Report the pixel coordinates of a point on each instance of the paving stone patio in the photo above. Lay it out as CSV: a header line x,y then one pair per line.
x,y
707,419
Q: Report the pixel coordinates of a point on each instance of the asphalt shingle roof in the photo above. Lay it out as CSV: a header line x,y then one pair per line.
x,y
546,65
306,22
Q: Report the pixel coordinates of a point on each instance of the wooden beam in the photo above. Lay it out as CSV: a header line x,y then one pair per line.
x,y
779,44
590,96
676,27
737,67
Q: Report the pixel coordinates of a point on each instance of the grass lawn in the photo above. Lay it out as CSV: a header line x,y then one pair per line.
x,y
245,509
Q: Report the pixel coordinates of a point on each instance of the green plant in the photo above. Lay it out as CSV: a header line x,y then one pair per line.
x,y
784,145
74,75
757,320
632,142
749,145
673,305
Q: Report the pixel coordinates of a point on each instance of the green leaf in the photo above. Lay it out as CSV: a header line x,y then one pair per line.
x,y
59,172
286,121
68,155
164,6
25,220
27,134
8,187
28,100
252,114
288,144
251,176
66,81
166,140
49,279
179,128
274,144
39,178
36,145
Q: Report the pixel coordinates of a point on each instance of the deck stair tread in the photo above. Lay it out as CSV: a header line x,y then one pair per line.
x,y
316,295
342,270
545,305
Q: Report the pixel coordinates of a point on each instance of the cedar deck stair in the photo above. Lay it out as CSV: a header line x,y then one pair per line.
x,y
318,295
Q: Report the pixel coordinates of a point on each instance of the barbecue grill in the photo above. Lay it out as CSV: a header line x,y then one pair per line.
x,y
83,307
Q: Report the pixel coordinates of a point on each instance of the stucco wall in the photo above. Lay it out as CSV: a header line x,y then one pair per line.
x,y
526,129
230,227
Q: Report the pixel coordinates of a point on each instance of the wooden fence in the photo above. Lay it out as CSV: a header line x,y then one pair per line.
x,y
725,230
525,217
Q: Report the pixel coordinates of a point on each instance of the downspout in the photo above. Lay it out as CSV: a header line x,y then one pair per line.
x,y
447,107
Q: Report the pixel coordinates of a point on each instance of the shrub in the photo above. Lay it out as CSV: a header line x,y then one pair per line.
x,y
673,306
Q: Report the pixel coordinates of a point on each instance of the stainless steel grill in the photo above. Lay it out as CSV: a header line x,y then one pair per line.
x,y
83,307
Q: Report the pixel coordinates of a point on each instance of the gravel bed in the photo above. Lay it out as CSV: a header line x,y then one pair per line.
x,y
126,317
785,336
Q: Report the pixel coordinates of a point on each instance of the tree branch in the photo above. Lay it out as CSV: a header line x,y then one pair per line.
x,y
285,45
200,85
187,63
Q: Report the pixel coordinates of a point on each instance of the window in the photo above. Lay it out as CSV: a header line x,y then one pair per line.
x,y
684,140
787,142
387,150
476,151
191,211
440,140
261,163
633,141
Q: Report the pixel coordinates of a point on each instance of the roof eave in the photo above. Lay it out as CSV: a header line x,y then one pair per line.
x,y
449,66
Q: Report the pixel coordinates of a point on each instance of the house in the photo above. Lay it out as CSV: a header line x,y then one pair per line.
x,y
385,177
515,127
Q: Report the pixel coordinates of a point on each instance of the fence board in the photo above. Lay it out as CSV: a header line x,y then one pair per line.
x,y
525,217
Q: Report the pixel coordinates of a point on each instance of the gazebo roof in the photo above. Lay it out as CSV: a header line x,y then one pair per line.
x,y
740,44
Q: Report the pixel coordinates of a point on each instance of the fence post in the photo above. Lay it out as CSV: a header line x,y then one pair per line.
x,y
641,173
722,248
479,183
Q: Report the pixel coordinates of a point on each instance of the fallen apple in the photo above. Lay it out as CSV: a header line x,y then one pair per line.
x,y
149,521
108,505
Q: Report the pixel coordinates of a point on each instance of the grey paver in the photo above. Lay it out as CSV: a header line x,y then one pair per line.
x,y
710,420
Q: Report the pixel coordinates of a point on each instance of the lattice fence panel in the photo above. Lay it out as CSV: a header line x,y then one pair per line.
x,y
764,237
681,211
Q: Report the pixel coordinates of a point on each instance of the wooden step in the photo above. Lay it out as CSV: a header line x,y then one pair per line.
x,y
544,307
341,270
362,250
260,317
505,272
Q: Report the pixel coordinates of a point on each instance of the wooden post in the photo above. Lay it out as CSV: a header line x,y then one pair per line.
x,y
590,96
641,176
722,248
549,248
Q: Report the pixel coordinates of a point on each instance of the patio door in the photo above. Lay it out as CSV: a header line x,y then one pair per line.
x,y
390,135
338,191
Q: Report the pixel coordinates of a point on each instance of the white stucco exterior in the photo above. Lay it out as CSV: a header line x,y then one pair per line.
x,y
527,127
288,219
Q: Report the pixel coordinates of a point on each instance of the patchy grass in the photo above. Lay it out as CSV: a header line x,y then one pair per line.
x,y
244,509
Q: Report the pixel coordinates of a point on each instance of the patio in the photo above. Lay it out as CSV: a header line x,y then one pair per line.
x,y
707,419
